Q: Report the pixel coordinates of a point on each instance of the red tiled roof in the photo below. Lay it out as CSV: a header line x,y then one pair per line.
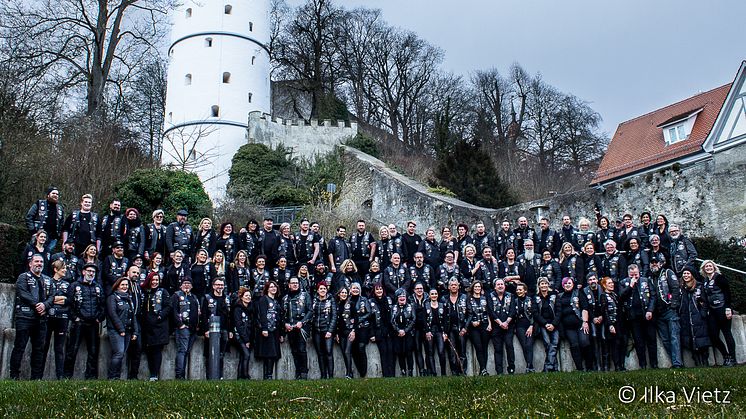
x,y
639,144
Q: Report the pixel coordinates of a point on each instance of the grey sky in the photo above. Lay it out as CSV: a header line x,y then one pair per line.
x,y
626,57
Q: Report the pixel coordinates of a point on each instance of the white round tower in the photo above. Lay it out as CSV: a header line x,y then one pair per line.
x,y
218,72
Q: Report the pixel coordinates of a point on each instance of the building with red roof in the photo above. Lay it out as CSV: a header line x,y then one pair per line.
x,y
685,132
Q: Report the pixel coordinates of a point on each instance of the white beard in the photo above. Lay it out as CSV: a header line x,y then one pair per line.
x,y
529,254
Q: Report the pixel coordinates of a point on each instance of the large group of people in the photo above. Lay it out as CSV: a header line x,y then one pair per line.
x,y
416,298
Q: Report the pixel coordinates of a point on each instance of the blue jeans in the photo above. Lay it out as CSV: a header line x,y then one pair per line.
x,y
669,330
551,341
184,341
119,346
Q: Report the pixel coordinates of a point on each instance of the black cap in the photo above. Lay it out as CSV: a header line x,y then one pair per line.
x,y
70,240
90,265
117,244
183,212
52,188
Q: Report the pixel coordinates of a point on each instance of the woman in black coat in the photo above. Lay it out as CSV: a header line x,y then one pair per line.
x,y
380,307
324,323
243,322
693,317
121,325
156,314
269,317
717,291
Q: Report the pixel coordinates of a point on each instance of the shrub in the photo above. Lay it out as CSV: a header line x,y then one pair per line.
x,y
366,144
12,240
170,190
440,190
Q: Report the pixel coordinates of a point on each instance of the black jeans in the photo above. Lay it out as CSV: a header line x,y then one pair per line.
x,y
297,343
645,335
527,344
436,344
457,358
572,335
56,328
403,347
134,356
346,346
503,338
717,323
88,331
480,338
244,357
36,331
154,354
359,356
419,345
325,352
385,352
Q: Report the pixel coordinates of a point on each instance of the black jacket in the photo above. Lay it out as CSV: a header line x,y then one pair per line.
x,y
324,315
88,299
30,291
185,310
156,315
693,315
244,320
120,313
38,214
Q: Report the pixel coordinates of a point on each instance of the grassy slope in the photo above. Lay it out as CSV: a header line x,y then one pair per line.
x,y
542,395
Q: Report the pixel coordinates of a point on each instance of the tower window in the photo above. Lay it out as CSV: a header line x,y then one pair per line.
x,y
170,117
250,95
187,79
188,13
228,9
253,59
208,42
215,111
251,26
226,77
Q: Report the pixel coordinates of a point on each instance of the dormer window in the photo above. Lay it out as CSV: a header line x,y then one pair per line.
x,y
679,127
676,134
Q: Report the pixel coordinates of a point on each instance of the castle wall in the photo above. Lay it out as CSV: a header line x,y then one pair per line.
x,y
707,198
306,140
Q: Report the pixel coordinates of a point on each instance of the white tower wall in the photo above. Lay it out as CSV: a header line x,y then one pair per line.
x,y
218,63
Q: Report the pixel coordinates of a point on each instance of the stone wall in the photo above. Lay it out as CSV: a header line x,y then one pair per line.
x,y
304,139
706,198
285,369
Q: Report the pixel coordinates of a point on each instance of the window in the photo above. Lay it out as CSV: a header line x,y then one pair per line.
x,y
676,133
228,9
208,42
226,77
170,117
251,26
253,59
215,111
188,13
250,95
188,80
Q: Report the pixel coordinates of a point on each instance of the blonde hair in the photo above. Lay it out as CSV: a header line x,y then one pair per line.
x,y
702,268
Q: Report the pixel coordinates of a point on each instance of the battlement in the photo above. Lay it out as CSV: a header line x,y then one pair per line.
x,y
339,123
306,138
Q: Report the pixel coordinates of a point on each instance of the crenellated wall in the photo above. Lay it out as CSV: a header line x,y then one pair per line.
x,y
306,139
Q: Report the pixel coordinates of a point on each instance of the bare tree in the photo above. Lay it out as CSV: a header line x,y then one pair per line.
x,y
87,45
360,28
184,146
146,104
305,52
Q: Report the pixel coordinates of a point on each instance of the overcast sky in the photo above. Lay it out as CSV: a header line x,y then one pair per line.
x,y
625,57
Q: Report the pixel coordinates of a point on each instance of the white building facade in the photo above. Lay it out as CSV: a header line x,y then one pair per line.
x,y
219,72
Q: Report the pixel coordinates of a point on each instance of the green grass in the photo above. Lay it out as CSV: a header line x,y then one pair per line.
x,y
537,395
